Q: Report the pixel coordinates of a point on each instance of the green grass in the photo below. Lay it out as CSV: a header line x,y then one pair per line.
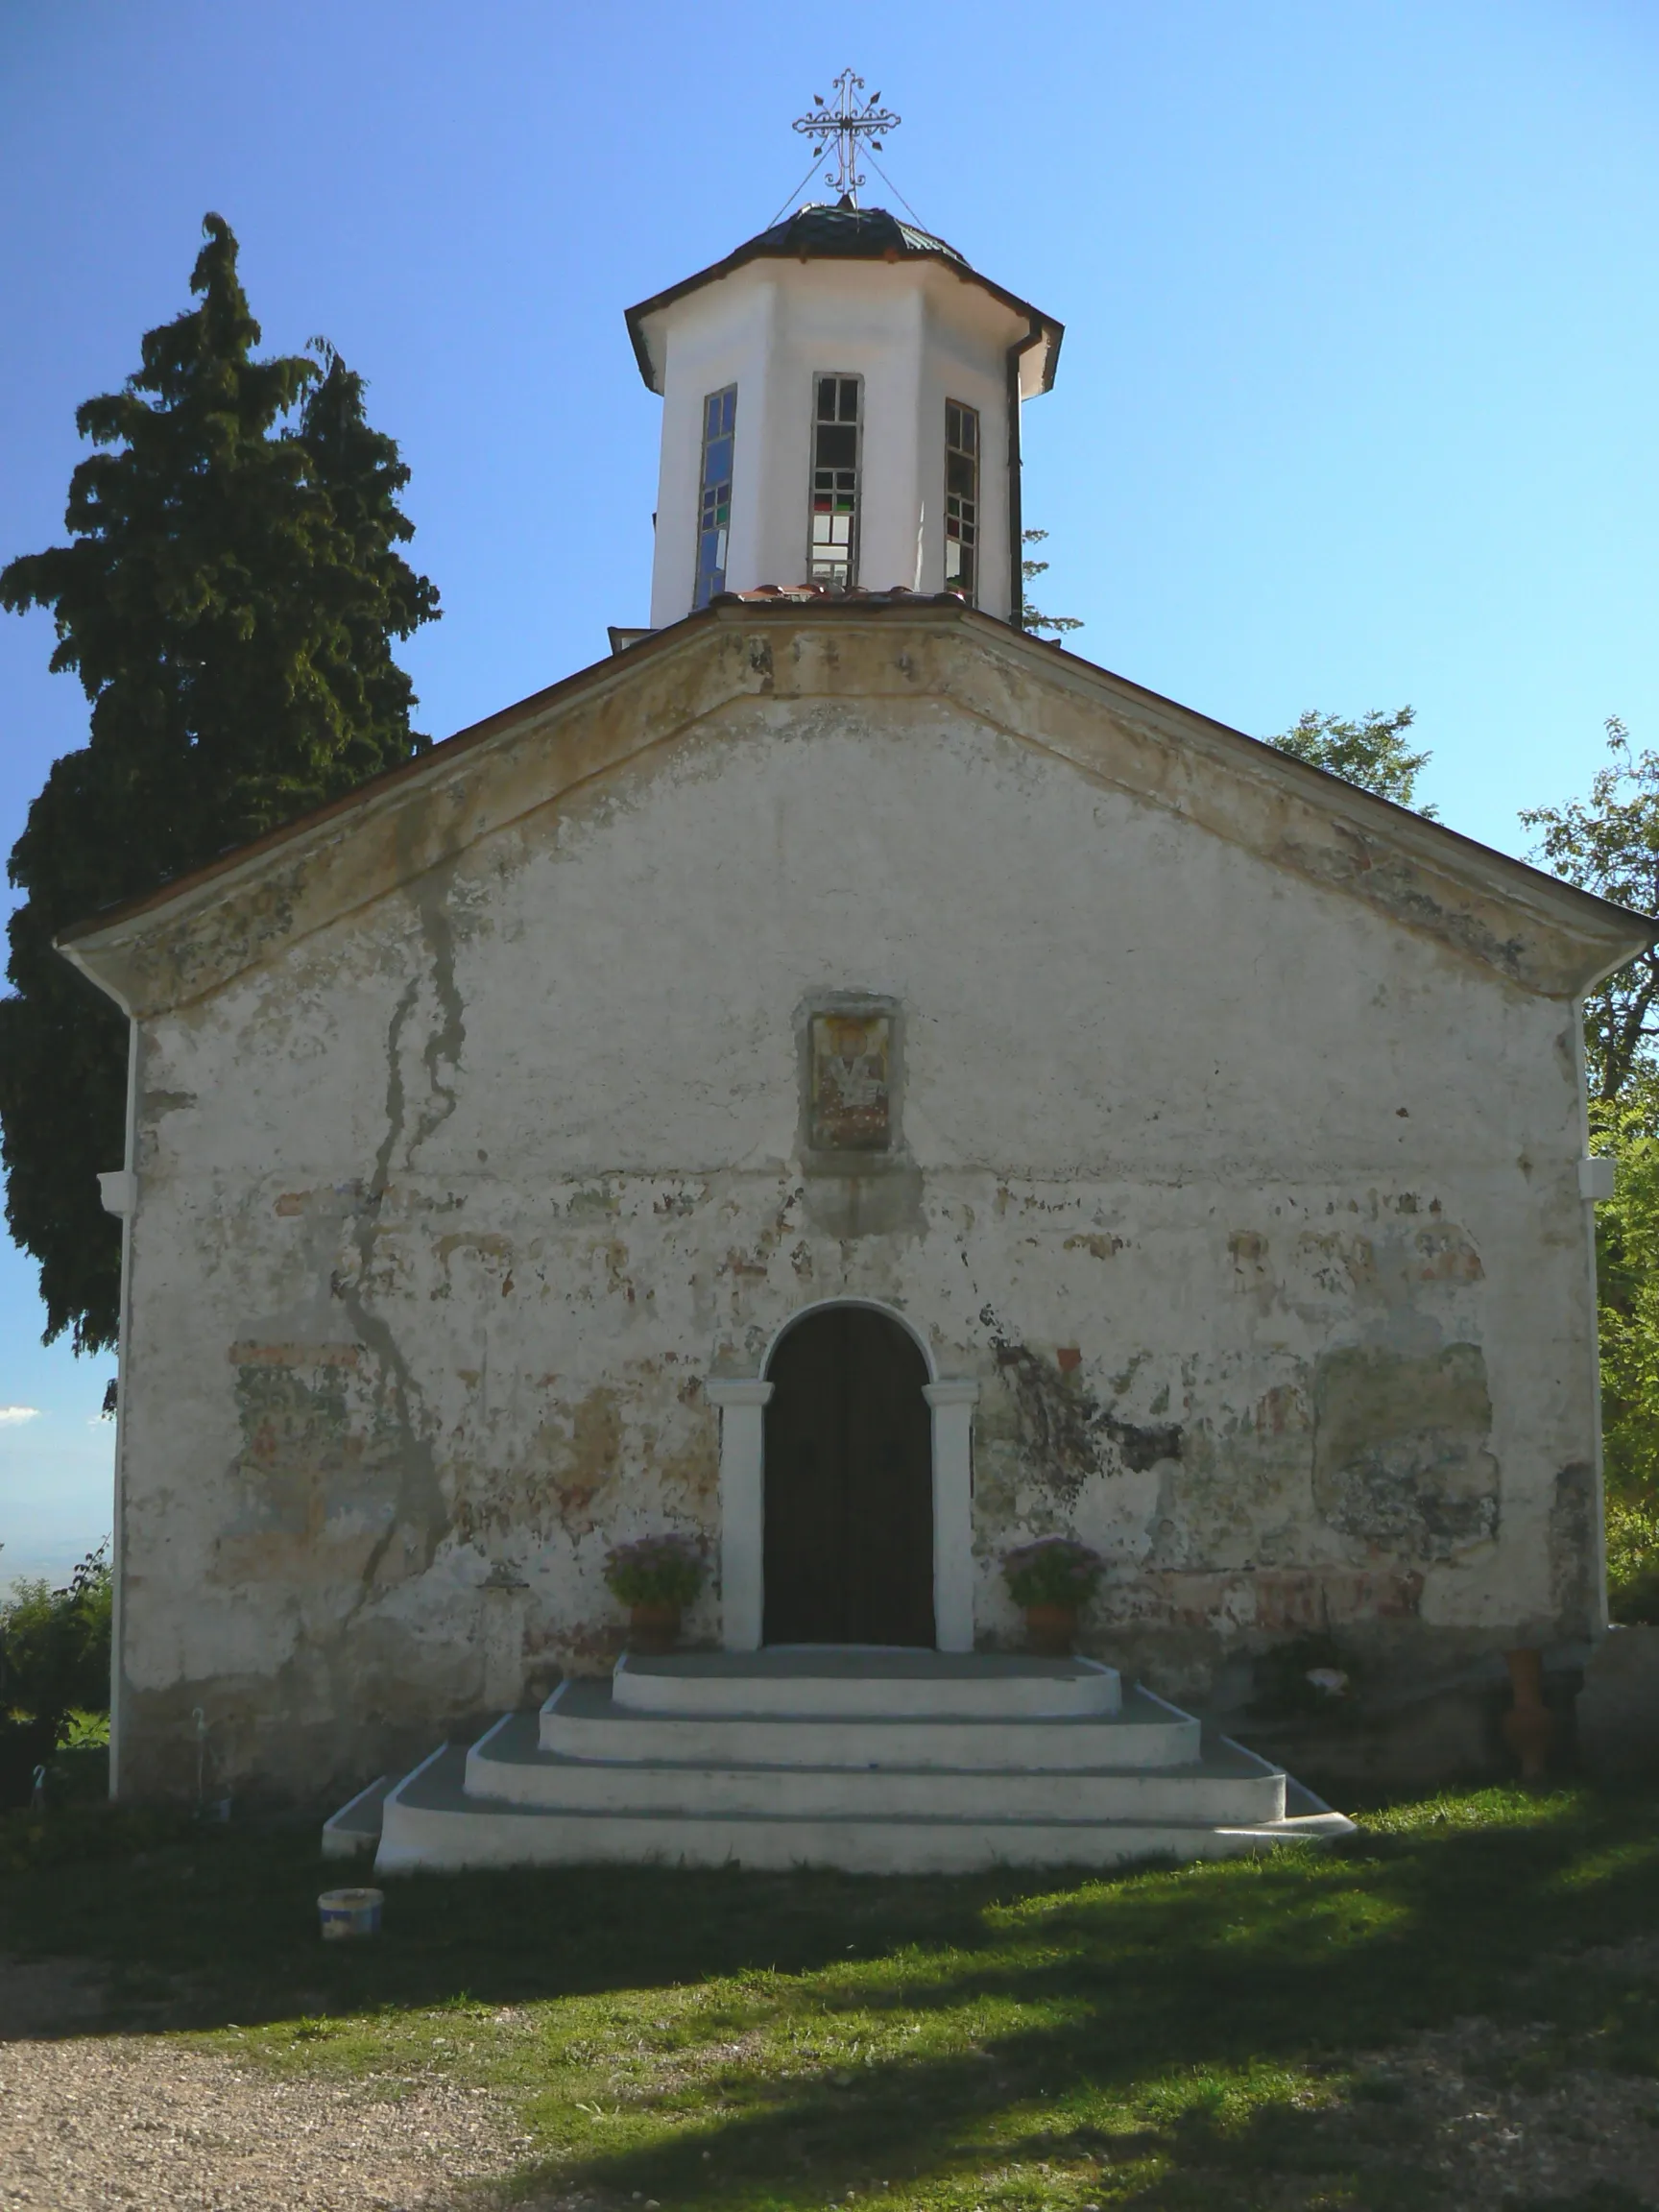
x,y
1202,2036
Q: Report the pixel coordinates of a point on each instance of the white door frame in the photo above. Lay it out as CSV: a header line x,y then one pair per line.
x,y
742,1407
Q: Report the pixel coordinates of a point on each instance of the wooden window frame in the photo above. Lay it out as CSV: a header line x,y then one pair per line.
x,y
714,499
822,564
962,506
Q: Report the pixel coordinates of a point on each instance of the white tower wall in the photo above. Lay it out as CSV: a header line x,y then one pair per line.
x,y
918,333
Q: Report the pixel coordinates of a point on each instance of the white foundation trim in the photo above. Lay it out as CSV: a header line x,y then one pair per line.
x,y
742,1508
953,1406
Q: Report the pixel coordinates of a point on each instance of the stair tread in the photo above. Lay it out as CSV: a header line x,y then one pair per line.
x,y
863,1662
848,1680
438,1787
1064,1771
591,1697
516,1742
360,1815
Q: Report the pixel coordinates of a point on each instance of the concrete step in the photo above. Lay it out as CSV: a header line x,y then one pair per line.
x,y
871,1761
851,1681
589,1719
430,1823
356,1826
1229,1786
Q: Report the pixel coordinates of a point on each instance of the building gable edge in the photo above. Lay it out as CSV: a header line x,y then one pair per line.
x,y
1538,932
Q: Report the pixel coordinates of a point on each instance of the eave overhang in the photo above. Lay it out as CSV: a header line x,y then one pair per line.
x,y
777,246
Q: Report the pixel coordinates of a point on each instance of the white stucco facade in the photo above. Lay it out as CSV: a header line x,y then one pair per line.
x,y
1237,1210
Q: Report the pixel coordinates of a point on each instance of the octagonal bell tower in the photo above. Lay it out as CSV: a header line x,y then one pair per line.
x,y
841,407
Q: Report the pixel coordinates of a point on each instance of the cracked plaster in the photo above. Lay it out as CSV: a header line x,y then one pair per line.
x,y
1250,1203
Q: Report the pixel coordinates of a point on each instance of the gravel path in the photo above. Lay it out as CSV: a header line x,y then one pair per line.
x,y
89,2124
129,2123
1492,2147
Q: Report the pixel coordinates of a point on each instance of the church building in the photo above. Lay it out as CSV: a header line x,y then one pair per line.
x,y
859,1087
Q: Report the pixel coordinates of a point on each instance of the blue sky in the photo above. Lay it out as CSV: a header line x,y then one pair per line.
x,y
1358,401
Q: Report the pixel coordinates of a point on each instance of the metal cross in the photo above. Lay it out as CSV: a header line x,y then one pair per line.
x,y
847,121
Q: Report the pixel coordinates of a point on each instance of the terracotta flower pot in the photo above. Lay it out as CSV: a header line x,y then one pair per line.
x,y
1050,1629
653,1629
1529,1726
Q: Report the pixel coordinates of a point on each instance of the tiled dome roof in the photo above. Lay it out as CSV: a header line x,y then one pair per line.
x,y
843,232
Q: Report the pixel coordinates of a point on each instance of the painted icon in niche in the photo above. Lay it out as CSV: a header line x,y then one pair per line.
x,y
852,1082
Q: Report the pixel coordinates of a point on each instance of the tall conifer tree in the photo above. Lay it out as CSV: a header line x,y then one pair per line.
x,y
228,600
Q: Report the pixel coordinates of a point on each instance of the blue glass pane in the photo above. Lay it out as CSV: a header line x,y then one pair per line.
x,y
728,409
717,462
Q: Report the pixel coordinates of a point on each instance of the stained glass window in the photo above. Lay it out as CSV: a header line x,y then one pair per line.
x,y
961,498
832,555
714,507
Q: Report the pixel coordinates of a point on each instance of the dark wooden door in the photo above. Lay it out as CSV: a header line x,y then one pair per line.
x,y
849,1535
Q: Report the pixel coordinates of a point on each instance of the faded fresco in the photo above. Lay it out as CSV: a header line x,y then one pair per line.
x,y
852,1082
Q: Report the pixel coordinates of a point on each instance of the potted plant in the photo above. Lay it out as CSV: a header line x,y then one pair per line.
x,y
1053,1580
656,1578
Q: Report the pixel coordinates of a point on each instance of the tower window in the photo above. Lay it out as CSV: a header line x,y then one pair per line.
x,y
833,556
961,498
714,505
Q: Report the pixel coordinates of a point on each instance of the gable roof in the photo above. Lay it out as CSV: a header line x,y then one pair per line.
x,y
199,932
843,234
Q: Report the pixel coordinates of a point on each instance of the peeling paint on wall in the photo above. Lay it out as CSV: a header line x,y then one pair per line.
x,y
1402,1458
313,1454
479,1182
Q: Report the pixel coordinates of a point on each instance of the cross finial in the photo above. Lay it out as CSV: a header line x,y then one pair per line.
x,y
849,119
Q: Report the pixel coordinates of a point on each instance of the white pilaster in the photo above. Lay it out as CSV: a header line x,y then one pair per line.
x,y
953,1406
742,1508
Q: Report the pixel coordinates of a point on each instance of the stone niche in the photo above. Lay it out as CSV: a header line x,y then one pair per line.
x,y
859,1177
849,1087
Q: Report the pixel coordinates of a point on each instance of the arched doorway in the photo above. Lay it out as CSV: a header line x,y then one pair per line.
x,y
849,1484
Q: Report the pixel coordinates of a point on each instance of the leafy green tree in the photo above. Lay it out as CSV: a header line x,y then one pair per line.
x,y
229,599
1627,1283
54,1645
1372,752
1030,571
1609,844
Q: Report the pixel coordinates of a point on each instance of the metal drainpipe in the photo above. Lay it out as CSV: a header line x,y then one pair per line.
x,y
1015,534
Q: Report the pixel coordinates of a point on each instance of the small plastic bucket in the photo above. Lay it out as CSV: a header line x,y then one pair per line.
x,y
348,1912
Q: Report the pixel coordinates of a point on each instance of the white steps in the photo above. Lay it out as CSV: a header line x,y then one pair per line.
x,y
356,1826
868,1681
877,1762
586,1720
508,1765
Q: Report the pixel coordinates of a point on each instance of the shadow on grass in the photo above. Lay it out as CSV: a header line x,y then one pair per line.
x,y
1102,2021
